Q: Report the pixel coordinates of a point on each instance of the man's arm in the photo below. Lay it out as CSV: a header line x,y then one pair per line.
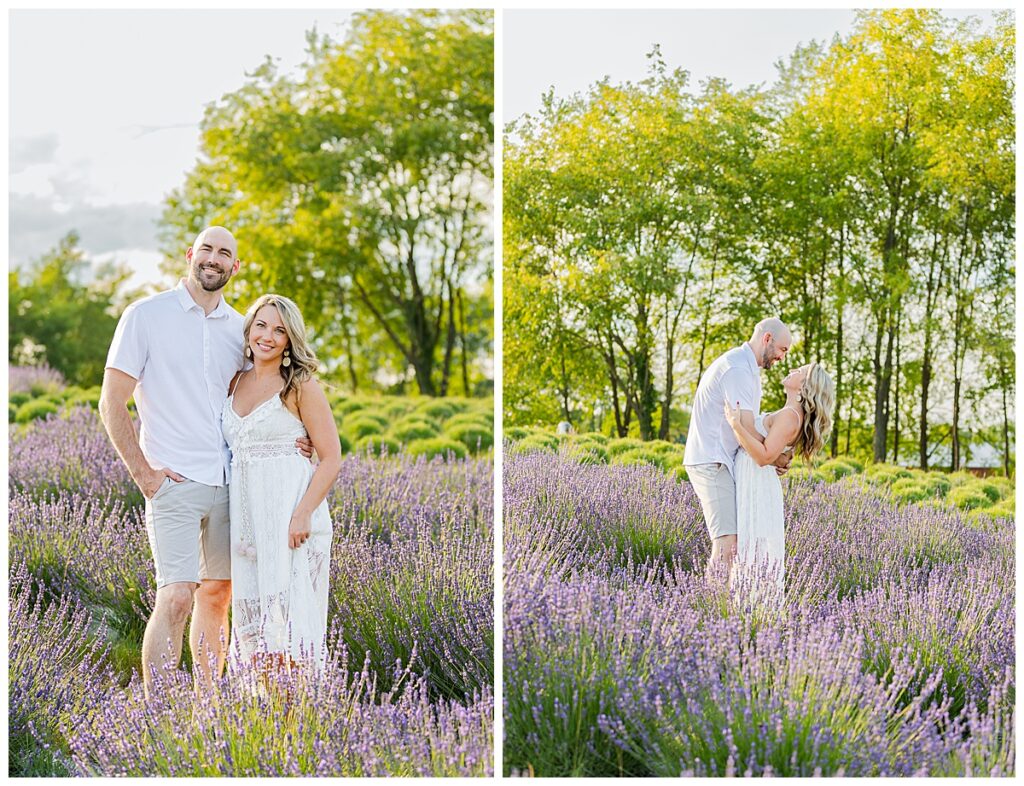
x,y
118,387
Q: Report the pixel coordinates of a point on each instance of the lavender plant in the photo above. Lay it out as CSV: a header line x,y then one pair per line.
x,y
411,584
890,651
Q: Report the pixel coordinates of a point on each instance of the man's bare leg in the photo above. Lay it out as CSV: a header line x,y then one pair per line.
x,y
210,624
723,552
166,624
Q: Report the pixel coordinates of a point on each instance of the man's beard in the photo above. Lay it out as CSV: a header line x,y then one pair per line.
x,y
766,356
216,284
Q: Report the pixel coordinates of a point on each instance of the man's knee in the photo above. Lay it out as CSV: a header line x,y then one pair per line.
x,y
214,594
175,601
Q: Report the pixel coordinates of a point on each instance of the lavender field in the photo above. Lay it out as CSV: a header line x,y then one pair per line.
x,y
408,690
892,653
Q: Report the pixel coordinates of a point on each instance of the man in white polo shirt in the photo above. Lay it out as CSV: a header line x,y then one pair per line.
x,y
177,352
711,445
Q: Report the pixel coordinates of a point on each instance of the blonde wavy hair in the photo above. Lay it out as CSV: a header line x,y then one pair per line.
x,y
304,363
818,399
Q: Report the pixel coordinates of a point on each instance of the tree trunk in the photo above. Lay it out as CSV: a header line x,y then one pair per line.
x,y
1006,417
896,394
449,344
463,357
839,344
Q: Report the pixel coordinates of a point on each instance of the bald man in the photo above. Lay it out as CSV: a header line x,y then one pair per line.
x,y
711,445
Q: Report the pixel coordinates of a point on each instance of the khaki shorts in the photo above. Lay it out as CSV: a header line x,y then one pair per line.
x,y
189,532
716,491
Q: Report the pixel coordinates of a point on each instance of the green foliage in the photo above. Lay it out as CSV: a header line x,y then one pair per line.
x,y
361,187
413,429
909,490
968,497
37,408
474,436
649,224
645,456
834,469
59,316
377,443
617,446
886,474
535,442
437,446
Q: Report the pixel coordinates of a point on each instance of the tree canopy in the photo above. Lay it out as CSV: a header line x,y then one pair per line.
x,y
866,197
362,190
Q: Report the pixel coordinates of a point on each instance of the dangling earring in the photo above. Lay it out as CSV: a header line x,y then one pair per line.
x,y
287,359
248,352
799,398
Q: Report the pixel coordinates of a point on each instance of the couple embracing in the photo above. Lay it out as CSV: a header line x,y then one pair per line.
x,y
236,514
735,455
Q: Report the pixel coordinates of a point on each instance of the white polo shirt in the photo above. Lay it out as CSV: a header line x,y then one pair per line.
x,y
184,361
735,376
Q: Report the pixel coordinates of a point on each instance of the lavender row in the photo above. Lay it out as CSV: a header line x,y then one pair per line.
x,y
890,653
65,707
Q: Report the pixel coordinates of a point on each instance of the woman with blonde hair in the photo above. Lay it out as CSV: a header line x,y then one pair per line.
x,y
801,426
280,525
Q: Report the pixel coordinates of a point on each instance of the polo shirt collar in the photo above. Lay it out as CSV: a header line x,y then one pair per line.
x,y
751,358
187,303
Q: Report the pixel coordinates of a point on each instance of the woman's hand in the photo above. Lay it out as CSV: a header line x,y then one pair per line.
x,y
732,414
299,529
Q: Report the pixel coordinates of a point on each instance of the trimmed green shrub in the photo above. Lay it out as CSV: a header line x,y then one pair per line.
x,y
960,478
473,435
990,490
84,398
347,406
680,474
436,446
441,409
534,442
834,469
19,398
468,419
377,444
346,443
937,482
32,410
663,446
407,430
909,490
857,465
587,452
643,456
886,474
595,436
363,424
396,409
516,433
12,412
968,498
623,444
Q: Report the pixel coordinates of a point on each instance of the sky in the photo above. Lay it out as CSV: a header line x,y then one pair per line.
x,y
104,112
571,50
104,106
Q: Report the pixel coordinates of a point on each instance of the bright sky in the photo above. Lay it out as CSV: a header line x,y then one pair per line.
x,y
105,109
571,50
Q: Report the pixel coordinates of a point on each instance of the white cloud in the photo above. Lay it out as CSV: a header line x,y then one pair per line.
x,y
29,151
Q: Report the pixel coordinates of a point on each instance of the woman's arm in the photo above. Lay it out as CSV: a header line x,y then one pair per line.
x,y
315,414
781,432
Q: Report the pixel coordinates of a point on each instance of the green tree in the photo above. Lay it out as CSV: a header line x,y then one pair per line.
x,y
63,313
362,189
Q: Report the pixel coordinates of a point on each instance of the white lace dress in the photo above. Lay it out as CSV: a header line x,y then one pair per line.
x,y
760,524
278,594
